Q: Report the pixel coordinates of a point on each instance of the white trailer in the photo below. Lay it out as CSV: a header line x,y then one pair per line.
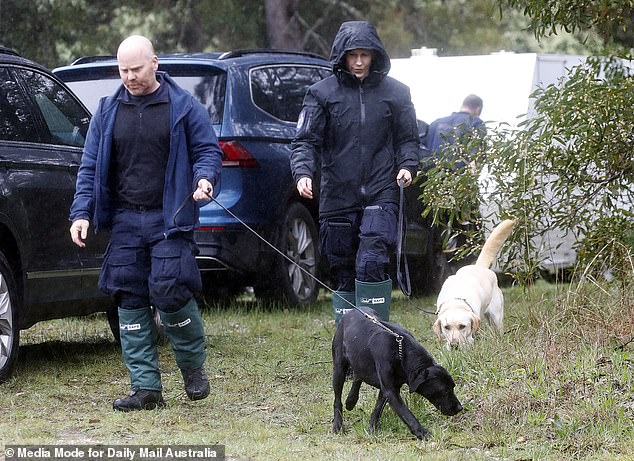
x,y
504,80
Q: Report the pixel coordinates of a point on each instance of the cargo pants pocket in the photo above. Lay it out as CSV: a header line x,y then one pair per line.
x,y
174,277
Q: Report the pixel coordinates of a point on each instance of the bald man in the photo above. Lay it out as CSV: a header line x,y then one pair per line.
x,y
150,158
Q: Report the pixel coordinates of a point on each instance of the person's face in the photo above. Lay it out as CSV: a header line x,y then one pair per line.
x,y
358,62
137,70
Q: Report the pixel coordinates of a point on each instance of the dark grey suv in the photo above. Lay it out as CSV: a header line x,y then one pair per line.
x,y
42,274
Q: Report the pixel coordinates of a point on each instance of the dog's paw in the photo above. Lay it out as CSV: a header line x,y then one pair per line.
x,y
422,433
374,427
337,423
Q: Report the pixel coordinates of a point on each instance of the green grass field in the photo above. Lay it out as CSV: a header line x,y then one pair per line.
x,y
557,385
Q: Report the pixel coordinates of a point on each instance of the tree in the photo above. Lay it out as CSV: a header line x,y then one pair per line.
x,y
282,25
57,32
611,19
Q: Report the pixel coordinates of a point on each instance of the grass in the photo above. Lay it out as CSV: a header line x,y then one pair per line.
x,y
558,384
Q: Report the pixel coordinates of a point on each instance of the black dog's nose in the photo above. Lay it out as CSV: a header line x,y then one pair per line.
x,y
453,409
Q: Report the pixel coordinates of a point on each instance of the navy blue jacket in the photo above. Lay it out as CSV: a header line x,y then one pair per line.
x,y
444,131
357,134
194,155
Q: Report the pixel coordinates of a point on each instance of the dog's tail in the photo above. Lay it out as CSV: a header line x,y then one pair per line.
x,y
494,243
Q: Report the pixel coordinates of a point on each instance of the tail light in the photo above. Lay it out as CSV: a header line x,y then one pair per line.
x,y
236,156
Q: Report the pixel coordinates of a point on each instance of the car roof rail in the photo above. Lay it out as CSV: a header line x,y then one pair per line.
x,y
198,54
89,59
7,50
208,55
246,52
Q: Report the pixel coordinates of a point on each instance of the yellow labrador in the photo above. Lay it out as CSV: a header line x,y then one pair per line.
x,y
471,293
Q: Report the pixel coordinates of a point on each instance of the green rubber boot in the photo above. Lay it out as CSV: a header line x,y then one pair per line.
x,y
184,329
138,348
341,301
375,295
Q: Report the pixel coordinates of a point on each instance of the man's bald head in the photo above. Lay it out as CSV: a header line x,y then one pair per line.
x,y
137,65
136,44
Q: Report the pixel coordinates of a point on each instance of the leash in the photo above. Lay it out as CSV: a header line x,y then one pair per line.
x,y
405,285
425,311
375,320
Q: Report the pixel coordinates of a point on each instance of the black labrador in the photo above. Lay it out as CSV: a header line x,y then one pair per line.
x,y
376,358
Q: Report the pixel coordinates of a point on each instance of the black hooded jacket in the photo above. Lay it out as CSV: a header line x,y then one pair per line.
x,y
357,134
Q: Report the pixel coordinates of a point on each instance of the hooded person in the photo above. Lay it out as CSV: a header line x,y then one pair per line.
x,y
357,133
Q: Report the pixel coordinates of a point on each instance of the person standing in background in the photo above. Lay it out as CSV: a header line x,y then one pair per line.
x,y
461,125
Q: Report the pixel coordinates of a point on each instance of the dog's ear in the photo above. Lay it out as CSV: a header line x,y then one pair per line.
x,y
475,323
437,327
418,380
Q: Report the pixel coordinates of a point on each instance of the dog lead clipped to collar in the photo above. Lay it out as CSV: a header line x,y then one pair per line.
x,y
373,319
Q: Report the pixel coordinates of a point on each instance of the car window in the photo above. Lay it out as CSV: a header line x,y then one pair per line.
x,y
91,91
66,121
206,83
280,90
16,118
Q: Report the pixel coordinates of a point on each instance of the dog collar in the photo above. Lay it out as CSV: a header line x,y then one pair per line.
x,y
459,299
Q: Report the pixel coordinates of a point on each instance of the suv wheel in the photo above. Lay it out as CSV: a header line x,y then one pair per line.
x,y
9,331
299,241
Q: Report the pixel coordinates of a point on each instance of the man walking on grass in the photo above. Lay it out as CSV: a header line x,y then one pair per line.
x,y
150,150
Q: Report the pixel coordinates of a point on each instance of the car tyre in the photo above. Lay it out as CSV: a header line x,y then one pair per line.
x,y
9,329
299,240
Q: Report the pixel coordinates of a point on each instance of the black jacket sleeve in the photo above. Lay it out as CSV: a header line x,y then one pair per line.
x,y
309,138
406,141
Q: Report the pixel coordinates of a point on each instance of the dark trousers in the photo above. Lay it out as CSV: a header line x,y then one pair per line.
x,y
357,244
143,268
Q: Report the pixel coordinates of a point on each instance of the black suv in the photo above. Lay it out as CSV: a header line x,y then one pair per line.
x,y
42,273
253,98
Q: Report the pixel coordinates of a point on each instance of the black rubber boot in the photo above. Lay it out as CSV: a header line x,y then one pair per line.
x,y
139,399
196,383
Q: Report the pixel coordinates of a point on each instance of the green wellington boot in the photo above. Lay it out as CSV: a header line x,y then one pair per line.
x,y
341,303
184,329
375,295
138,348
